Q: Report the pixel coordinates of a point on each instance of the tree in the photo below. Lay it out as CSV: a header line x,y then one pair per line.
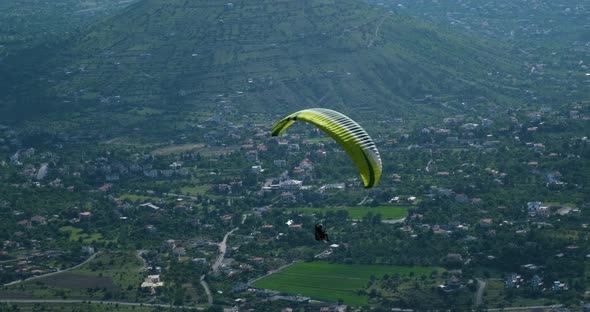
x,y
215,308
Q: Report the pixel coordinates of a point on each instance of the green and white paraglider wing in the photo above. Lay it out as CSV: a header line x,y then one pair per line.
x,y
350,135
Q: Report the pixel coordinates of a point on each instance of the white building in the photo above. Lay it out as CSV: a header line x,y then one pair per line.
x,y
152,281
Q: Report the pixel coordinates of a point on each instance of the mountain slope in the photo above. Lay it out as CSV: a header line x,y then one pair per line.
x,y
24,23
271,56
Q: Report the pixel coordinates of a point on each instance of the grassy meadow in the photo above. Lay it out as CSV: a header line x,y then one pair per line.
x,y
77,234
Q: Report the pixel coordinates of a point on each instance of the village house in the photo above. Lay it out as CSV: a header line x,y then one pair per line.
x,y
486,222
438,230
476,200
152,281
539,147
461,198
535,209
536,282
332,186
252,155
179,251
169,244
85,216
452,284
306,165
175,165
513,281
10,244
89,250
469,126
565,210
288,197
559,286
257,260
320,153
57,183
105,188
290,184
25,223
150,205
150,228
227,218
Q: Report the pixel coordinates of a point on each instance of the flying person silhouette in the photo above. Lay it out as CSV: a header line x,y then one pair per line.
x,y
320,234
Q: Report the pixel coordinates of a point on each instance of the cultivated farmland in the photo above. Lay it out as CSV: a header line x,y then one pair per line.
x,y
77,281
333,282
109,276
386,212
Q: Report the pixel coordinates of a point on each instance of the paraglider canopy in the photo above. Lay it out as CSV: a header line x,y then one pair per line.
x,y
350,135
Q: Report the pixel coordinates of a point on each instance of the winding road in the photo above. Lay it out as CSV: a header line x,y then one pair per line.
x,y
207,290
218,261
481,286
138,255
222,249
376,34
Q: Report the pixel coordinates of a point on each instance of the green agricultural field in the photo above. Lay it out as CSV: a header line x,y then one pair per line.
x,y
386,212
334,282
76,234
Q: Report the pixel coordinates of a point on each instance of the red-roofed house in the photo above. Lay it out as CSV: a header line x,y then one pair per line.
x,y
26,223
485,222
306,165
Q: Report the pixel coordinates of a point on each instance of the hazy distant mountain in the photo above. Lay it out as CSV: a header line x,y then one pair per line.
x,y
261,56
555,24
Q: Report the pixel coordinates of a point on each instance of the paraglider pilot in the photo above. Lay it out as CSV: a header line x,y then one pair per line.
x,y
320,234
